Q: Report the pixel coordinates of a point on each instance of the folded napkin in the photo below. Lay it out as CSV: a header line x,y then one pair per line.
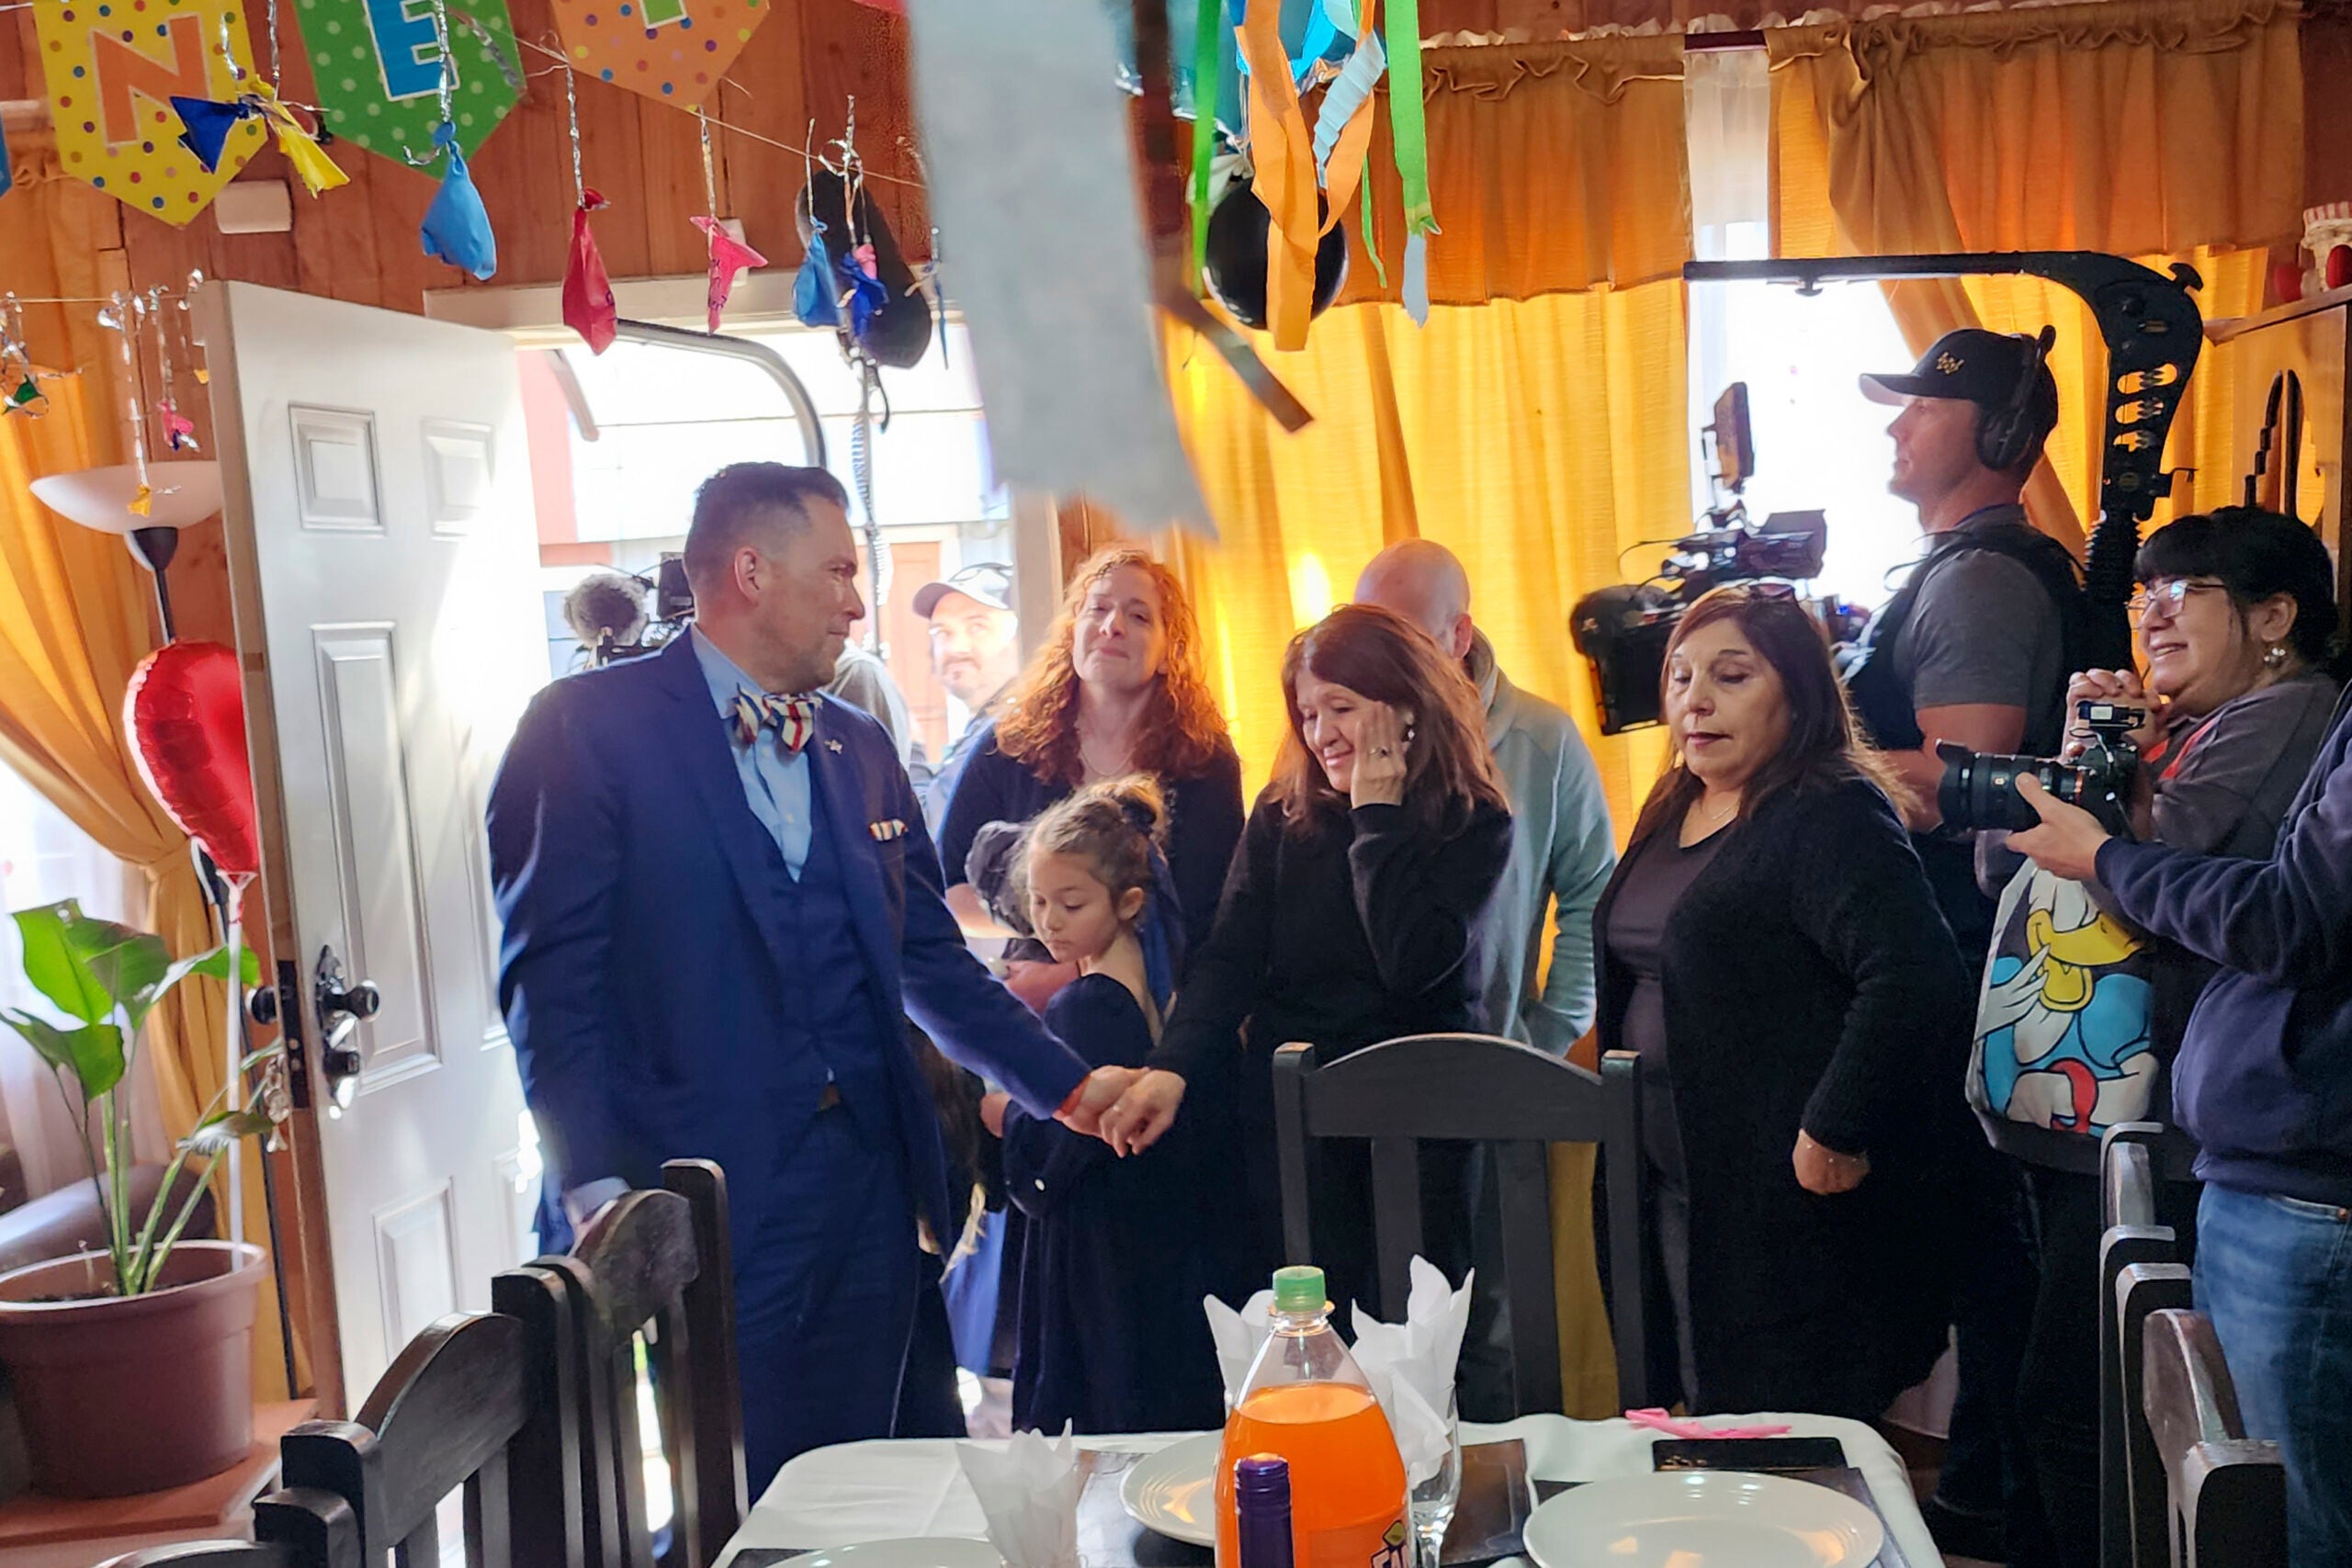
x,y
1674,1427
1239,1337
1410,1367
1028,1491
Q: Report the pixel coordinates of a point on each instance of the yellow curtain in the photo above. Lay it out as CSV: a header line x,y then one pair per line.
x,y
74,621
2160,130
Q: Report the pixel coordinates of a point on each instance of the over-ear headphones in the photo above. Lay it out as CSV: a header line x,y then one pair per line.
x,y
2004,434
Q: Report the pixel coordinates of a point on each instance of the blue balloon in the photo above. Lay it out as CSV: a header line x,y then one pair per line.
x,y
456,226
814,300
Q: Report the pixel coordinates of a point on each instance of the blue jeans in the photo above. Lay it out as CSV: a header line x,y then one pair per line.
x,y
2275,1275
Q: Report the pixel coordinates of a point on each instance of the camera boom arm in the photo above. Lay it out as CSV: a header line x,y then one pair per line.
x,y
2152,331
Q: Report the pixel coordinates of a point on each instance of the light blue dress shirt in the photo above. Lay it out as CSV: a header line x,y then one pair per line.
x,y
776,786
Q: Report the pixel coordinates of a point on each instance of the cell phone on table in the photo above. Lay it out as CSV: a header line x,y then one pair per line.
x,y
1763,1456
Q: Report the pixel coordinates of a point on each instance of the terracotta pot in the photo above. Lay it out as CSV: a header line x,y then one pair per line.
x,y
122,1395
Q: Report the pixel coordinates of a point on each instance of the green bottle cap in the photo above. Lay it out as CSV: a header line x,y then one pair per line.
x,y
1298,1288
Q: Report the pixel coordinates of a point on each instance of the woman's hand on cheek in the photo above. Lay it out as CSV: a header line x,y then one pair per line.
x,y
1379,778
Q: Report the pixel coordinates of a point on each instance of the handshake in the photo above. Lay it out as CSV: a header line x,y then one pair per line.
x,y
1127,1108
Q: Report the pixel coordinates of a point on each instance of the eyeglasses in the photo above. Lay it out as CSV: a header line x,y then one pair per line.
x,y
2169,594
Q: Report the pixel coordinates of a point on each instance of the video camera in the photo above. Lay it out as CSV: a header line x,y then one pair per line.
x,y
1624,630
607,612
1980,790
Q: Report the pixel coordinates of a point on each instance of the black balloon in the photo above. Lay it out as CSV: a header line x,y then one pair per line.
x,y
899,334
1233,263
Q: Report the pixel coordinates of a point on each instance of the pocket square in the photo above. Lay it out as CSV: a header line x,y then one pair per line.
x,y
886,829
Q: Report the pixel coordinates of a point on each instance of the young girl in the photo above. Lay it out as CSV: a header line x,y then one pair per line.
x,y
1117,1258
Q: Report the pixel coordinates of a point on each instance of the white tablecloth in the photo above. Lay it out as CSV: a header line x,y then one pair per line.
x,y
878,1491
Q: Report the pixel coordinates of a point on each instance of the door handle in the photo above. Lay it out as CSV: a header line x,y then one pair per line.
x,y
341,1006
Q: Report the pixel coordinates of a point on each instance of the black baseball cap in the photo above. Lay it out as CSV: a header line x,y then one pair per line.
x,y
1974,365
989,582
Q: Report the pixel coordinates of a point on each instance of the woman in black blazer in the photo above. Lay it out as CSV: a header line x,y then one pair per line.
x,y
1771,949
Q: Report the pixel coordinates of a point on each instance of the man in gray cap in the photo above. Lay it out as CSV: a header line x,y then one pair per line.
x,y
975,649
1975,649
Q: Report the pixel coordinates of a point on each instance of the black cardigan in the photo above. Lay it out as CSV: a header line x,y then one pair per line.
x,y
1358,930
1810,983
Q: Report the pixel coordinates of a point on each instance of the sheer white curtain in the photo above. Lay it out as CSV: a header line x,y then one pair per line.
x,y
1819,444
45,857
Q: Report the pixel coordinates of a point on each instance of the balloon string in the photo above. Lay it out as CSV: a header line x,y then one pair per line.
x,y
571,110
709,176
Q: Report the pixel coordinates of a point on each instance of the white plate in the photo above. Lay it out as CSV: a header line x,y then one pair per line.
x,y
1174,1489
1703,1518
944,1551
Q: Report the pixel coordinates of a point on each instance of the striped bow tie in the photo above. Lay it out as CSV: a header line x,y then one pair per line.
x,y
793,718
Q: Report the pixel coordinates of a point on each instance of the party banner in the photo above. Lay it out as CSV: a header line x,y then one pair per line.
x,y
114,68
672,49
377,63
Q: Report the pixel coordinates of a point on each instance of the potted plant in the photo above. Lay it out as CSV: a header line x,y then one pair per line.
x,y
130,1363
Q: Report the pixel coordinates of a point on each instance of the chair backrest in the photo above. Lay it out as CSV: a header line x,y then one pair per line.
x,y
2228,1492
1477,1088
475,1403
2131,1236
293,1528
661,1261
2141,1290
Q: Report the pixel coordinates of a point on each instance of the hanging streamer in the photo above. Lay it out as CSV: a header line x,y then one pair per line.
x,y
1409,130
178,431
19,383
120,317
589,307
1282,150
1208,84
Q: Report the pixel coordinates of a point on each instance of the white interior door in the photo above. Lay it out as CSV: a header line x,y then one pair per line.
x,y
384,554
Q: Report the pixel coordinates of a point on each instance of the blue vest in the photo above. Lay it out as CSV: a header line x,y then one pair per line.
x,y
830,1017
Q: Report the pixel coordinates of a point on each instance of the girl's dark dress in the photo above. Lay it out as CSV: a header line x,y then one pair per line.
x,y
1117,1253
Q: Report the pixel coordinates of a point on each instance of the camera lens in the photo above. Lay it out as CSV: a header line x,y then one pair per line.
x,y
1980,789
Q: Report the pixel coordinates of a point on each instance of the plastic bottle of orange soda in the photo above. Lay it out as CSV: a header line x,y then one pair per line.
x,y
1306,1401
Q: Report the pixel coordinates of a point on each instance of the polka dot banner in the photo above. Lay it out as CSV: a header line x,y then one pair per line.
x,y
673,50
114,67
377,64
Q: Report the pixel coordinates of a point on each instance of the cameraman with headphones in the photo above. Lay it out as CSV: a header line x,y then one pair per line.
x,y
1975,649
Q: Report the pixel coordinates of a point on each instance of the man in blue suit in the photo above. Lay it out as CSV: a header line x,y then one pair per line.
x,y
720,906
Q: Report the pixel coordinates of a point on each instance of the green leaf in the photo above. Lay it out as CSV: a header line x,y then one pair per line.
x,y
219,1133
57,965
92,1054
125,961
213,964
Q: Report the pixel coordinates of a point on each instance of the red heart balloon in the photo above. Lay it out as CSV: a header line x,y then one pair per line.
x,y
185,713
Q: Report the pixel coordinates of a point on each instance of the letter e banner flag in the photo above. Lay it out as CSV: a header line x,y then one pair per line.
x,y
377,64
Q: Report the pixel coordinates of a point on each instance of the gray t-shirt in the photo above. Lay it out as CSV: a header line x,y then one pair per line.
x,y
1984,630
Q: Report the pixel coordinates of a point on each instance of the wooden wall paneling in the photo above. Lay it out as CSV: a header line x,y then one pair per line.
x,y
851,50
672,188
614,160
764,94
524,170
20,75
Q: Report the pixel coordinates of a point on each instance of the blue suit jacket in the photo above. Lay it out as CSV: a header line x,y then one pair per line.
x,y
644,954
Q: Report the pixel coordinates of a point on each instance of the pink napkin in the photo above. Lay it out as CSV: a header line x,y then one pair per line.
x,y
1659,1421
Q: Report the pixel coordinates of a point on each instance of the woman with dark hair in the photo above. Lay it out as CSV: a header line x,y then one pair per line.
x,y
1770,950
1117,689
1349,917
2237,621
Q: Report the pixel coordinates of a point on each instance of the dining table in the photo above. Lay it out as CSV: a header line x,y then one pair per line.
x,y
892,1489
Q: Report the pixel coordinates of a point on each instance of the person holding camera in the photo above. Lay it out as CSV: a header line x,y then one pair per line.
x,y
2083,1015
720,908
2263,1082
1770,951
1974,650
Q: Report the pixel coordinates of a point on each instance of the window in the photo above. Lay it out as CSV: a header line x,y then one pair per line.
x,y
616,491
1819,444
45,857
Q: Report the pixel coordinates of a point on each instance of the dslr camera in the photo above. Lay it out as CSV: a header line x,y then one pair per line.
x,y
1979,790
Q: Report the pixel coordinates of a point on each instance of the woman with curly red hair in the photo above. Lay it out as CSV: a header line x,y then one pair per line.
x,y
1117,689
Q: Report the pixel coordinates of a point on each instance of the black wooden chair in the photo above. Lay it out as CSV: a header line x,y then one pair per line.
x,y
293,1528
2131,1236
478,1402
2227,1492
1477,1088
659,1262
2142,1289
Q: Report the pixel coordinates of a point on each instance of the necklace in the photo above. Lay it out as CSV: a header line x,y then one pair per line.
x,y
1714,818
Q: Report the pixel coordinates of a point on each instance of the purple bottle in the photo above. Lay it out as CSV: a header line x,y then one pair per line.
x,y
1261,1506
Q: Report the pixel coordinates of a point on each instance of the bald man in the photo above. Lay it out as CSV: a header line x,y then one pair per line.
x,y
1562,849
